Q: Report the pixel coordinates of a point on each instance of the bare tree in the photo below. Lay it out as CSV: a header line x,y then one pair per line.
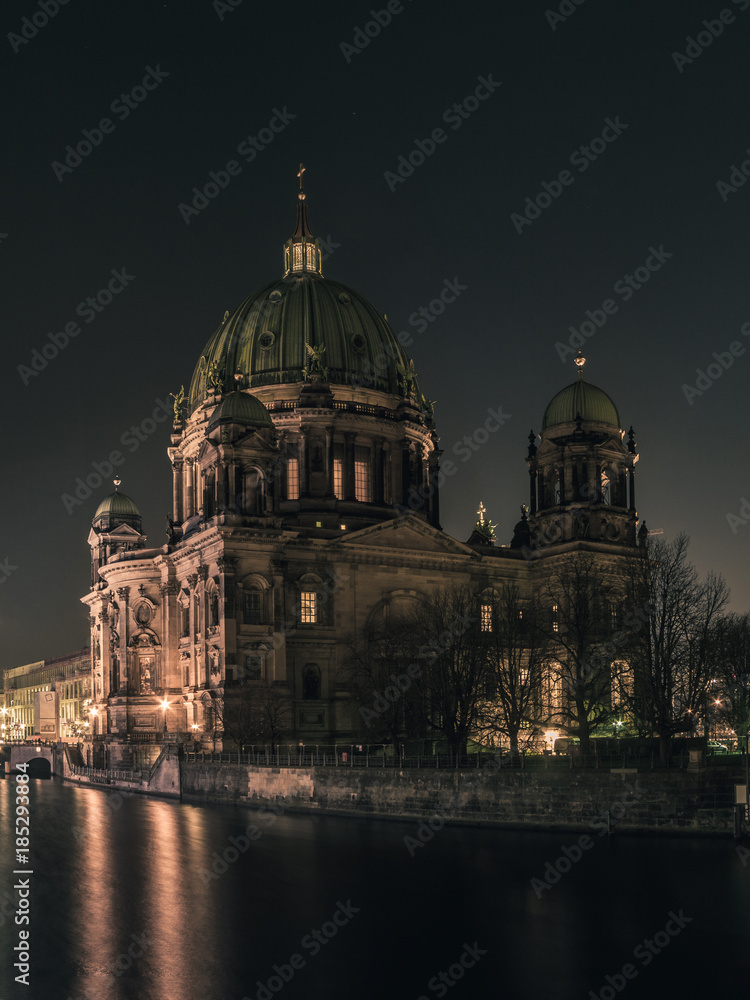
x,y
732,675
675,654
516,648
382,668
253,712
582,606
454,663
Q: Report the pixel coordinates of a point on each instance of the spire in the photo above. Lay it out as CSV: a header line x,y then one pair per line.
x,y
302,251
580,361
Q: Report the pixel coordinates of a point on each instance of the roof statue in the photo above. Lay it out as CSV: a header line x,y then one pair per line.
x,y
179,399
315,369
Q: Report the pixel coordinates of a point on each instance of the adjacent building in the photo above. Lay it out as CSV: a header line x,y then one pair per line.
x,y
47,698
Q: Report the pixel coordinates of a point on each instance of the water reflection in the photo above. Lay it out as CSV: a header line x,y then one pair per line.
x,y
136,897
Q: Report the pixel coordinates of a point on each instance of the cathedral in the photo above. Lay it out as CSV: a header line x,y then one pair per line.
x,y
305,504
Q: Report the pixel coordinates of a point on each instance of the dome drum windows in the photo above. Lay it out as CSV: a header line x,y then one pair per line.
x,y
362,474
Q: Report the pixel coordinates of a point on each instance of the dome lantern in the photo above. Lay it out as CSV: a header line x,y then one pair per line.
x,y
302,250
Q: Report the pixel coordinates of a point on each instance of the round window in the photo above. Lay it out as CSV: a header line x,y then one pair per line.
x,y
275,296
343,297
266,340
358,342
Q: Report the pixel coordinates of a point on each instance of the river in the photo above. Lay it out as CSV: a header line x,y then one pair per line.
x,y
134,897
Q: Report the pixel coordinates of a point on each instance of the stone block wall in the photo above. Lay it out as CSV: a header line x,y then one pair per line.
x,y
685,801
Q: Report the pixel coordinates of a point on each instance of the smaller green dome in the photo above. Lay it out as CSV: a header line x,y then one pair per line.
x,y
240,408
117,505
581,399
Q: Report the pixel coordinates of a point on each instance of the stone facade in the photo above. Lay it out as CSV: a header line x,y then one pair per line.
x,y
305,501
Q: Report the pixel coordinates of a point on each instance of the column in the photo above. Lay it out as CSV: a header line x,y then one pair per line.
x,y
329,461
189,509
378,485
177,491
349,487
126,667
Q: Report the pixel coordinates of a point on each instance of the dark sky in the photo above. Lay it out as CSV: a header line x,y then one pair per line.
x,y
223,75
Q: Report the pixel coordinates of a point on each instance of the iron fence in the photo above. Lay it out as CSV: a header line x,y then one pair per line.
x,y
384,757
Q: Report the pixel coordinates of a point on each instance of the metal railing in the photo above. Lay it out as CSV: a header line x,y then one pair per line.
x,y
384,757
106,773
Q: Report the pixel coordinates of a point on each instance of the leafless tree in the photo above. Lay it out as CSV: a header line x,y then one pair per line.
x,y
675,654
732,674
454,663
253,712
382,668
516,648
586,641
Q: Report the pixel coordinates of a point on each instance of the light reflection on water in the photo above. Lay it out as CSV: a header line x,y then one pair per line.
x,y
112,874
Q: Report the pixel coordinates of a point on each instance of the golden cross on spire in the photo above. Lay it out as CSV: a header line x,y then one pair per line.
x,y
301,171
481,511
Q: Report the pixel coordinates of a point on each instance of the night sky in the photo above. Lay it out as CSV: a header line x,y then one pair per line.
x,y
218,74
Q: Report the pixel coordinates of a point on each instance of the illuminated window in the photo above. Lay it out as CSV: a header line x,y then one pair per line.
x,y
555,622
297,258
292,479
338,478
308,607
486,617
362,488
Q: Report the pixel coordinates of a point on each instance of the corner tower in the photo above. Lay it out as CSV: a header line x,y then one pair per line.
x,y
582,474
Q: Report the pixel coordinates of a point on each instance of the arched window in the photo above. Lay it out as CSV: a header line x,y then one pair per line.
x,y
214,606
209,488
253,490
184,616
311,682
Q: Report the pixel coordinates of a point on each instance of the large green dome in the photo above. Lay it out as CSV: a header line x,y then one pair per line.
x,y
268,335
581,399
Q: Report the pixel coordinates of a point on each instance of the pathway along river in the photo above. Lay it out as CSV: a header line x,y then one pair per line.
x,y
142,898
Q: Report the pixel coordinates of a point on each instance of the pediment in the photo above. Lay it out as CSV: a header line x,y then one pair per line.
x,y
408,533
122,533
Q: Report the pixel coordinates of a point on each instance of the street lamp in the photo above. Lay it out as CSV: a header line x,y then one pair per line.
x,y
165,706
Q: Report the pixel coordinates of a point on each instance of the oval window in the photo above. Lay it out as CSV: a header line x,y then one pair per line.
x,y
266,340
